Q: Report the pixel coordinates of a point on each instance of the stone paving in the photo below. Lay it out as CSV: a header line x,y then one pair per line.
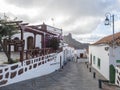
x,y
3,58
14,56
74,76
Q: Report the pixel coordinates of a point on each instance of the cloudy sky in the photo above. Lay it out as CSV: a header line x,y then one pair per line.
x,y
83,18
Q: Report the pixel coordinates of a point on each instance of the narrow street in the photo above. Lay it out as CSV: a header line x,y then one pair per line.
x,y
74,76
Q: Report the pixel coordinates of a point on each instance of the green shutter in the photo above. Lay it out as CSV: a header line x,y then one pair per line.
x,y
117,61
98,62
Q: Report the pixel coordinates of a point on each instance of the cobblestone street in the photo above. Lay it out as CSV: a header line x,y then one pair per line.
x,y
74,76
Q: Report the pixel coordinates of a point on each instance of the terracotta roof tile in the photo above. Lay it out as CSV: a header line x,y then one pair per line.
x,y
109,39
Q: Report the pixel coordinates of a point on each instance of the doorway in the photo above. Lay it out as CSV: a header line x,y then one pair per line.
x,y
30,43
81,55
60,62
90,59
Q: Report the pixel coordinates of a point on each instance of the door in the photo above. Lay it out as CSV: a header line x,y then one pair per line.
x,y
81,55
60,62
30,42
90,59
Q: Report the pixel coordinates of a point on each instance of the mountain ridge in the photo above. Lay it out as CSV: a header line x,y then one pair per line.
x,y
74,43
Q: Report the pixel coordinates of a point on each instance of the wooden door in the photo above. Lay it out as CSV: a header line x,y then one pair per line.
x,y
30,42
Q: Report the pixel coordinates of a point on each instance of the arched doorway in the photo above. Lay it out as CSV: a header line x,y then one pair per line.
x,y
15,46
30,42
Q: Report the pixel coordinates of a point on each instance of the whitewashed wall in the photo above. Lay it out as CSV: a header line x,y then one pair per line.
x,y
69,53
38,41
80,51
26,35
21,71
114,55
99,52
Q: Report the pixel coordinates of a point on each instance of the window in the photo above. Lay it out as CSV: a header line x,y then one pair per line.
x,y
93,59
117,61
98,63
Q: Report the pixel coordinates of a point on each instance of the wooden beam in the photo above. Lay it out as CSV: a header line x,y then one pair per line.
x,y
24,23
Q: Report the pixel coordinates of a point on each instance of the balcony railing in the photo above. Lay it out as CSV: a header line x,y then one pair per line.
x,y
32,53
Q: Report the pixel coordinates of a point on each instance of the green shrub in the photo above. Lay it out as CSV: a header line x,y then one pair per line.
x,y
53,43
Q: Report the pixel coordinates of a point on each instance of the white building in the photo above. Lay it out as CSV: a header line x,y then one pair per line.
x,y
81,53
43,61
103,56
28,43
68,52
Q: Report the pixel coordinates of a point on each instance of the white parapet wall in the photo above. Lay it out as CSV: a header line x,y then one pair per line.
x,y
31,68
117,76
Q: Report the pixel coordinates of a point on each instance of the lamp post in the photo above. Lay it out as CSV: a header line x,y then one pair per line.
x,y
108,21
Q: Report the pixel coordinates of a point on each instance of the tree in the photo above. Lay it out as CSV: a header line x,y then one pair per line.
x,y
53,43
7,29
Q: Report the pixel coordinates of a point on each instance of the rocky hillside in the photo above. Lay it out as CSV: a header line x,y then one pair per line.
x,y
72,42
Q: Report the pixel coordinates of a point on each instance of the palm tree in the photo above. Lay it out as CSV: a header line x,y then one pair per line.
x,y
7,29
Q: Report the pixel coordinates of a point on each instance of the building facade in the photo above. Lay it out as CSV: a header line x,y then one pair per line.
x,y
37,57
104,56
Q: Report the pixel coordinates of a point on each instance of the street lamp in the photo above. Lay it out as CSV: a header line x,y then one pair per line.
x,y
108,21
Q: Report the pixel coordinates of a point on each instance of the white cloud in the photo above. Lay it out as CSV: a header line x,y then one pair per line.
x,y
83,25
88,38
75,16
117,26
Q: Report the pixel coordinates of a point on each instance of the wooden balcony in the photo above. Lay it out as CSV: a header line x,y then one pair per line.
x,y
32,53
